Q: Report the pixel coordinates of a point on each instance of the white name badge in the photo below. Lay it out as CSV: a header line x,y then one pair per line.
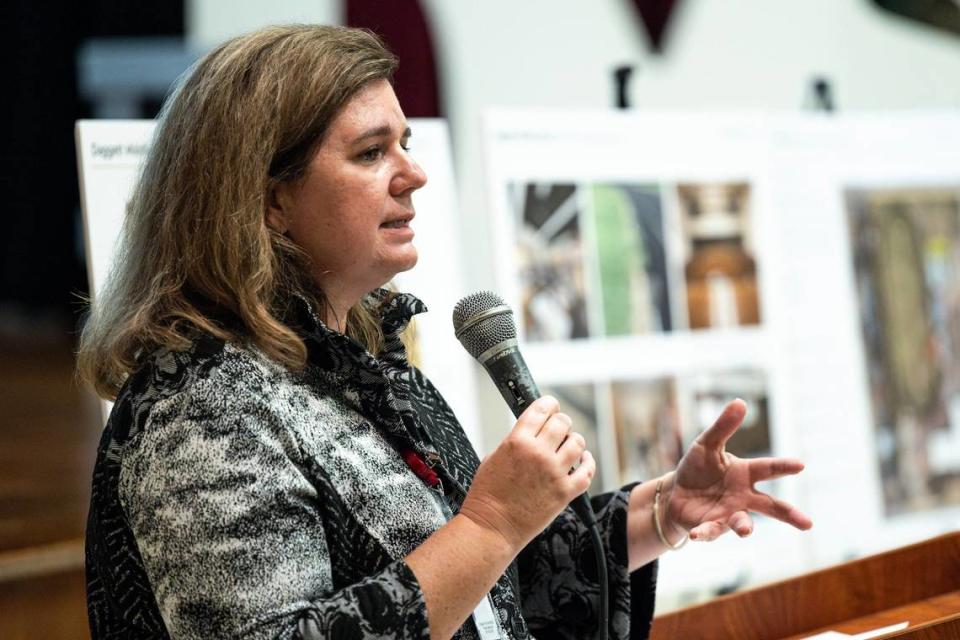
x,y
486,621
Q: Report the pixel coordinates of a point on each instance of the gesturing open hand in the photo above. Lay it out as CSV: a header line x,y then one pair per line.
x,y
714,490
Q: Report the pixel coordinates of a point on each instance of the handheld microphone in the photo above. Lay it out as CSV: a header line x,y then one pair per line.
x,y
484,325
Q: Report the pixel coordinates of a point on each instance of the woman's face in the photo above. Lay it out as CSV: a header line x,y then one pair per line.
x,y
351,212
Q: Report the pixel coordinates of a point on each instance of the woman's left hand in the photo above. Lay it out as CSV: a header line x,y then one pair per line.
x,y
713,490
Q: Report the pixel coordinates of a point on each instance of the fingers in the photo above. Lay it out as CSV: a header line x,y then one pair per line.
x,y
707,531
783,511
730,418
741,523
772,468
543,420
551,429
572,449
536,415
582,475
555,430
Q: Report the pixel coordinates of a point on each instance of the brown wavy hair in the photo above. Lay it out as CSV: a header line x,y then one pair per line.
x,y
195,252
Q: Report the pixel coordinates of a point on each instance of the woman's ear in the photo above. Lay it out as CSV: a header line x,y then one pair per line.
x,y
277,211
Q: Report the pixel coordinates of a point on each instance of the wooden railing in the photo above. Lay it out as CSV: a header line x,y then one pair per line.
x,y
918,584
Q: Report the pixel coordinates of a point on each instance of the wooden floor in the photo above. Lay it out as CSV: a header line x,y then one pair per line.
x,y
49,430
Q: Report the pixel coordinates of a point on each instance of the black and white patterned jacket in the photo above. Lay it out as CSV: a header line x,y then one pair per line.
x,y
233,498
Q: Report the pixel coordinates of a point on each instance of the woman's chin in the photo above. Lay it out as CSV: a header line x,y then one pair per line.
x,y
401,262
409,259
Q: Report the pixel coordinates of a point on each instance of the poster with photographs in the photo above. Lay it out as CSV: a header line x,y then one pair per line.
x,y
550,261
628,231
906,258
809,265
720,270
594,259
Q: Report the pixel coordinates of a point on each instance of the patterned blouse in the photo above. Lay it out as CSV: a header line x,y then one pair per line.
x,y
234,498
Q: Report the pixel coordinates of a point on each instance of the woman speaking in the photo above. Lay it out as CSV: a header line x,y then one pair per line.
x,y
273,466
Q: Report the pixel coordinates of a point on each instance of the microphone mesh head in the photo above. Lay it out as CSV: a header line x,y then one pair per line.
x,y
490,331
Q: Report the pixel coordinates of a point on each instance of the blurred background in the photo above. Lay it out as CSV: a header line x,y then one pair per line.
x,y
117,59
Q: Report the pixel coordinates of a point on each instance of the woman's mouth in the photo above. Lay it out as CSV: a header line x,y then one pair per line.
x,y
400,222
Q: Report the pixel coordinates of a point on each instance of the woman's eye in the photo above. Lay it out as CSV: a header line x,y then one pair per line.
x,y
371,154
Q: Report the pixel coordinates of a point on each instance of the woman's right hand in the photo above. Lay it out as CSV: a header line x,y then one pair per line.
x,y
522,486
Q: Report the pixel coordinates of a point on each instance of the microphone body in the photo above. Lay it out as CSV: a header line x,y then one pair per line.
x,y
510,374
484,325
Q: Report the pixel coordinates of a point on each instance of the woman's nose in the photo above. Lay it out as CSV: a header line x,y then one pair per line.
x,y
409,178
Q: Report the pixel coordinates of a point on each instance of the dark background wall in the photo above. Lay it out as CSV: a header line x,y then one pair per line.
x,y
41,261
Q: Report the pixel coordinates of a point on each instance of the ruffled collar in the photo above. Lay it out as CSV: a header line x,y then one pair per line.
x,y
337,352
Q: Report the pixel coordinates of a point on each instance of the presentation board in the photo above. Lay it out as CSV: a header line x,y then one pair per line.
x,y
663,264
111,153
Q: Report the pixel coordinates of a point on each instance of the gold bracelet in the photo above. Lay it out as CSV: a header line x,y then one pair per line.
x,y
656,520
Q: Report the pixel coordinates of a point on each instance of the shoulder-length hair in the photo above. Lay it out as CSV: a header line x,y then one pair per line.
x,y
196,253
